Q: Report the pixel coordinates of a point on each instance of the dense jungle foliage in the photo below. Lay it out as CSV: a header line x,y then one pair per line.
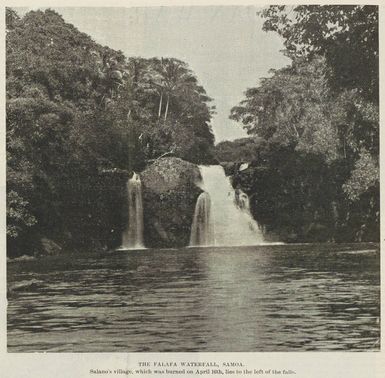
x,y
80,118
315,151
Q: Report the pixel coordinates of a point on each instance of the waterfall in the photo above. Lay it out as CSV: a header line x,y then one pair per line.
x,y
202,231
133,235
222,215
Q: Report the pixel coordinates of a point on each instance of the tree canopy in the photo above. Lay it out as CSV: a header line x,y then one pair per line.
x,y
346,35
325,103
77,110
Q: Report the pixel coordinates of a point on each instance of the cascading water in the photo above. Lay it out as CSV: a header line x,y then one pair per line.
x,y
226,218
202,229
133,235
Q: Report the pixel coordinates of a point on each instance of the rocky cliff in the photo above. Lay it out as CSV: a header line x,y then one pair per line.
x,y
170,192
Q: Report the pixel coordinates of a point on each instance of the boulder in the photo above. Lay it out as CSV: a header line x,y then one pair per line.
x,y
170,191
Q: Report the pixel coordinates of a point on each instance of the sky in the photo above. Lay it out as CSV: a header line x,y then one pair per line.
x,y
225,46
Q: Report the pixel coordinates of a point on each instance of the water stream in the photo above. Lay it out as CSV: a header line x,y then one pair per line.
x,y
222,215
132,237
202,228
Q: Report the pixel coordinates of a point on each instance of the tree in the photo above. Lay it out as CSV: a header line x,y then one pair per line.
x,y
324,109
58,83
347,38
346,35
292,107
172,107
238,150
76,113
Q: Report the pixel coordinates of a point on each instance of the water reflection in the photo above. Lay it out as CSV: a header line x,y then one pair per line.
x,y
270,298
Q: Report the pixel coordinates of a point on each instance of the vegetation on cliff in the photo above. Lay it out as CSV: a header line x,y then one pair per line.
x,y
316,175
80,118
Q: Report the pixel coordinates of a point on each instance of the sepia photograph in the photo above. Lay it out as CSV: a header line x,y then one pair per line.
x,y
192,179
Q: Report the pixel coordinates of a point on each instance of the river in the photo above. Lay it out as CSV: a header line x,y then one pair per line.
x,y
310,297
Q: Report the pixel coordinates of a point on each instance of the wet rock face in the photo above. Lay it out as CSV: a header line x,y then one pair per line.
x,y
169,194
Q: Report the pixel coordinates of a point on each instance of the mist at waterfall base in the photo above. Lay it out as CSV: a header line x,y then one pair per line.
x,y
222,214
132,237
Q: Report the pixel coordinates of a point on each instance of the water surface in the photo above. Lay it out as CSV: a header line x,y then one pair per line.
x,y
315,297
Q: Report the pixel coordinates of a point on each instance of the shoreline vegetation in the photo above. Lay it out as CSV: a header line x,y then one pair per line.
x,y
345,248
81,118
